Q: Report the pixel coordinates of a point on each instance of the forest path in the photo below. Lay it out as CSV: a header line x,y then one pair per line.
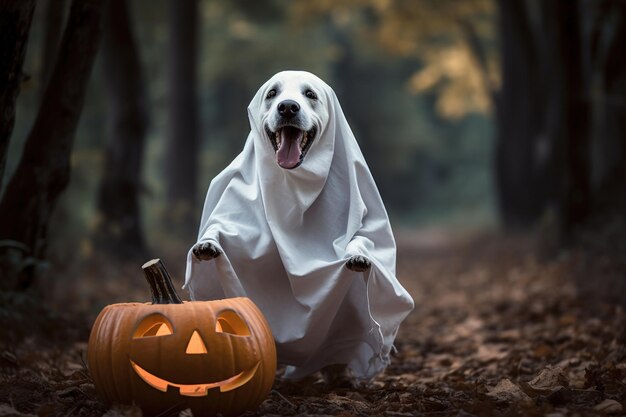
x,y
495,331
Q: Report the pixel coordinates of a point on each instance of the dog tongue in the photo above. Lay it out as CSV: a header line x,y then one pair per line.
x,y
288,155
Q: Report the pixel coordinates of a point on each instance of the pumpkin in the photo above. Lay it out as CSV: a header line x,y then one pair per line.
x,y
210,356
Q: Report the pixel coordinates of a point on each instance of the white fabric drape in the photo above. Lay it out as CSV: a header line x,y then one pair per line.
x,y
285,237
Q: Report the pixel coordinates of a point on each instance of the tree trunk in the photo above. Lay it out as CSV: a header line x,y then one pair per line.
x,y
578,110
119,230
518,165
542,149
181,149
614,87
54,12
44,169
15,20
568,112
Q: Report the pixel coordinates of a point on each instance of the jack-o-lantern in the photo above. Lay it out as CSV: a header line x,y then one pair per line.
x,y
209,356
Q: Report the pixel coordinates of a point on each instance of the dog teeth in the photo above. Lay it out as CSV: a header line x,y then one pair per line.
x,y
277,139
304,142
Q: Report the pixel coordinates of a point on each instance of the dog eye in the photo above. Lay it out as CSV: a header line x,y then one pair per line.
x,y
271,93
310,94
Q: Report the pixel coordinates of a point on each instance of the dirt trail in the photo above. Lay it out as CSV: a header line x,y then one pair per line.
x,y
495,332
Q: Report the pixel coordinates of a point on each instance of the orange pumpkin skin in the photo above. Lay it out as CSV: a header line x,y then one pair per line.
x,y
195,359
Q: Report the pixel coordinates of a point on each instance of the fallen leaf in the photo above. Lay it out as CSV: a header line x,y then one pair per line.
x,y
542,351
507,391
609,406
490,352
8,411
69,392
567,319
510,335
9,358
549,379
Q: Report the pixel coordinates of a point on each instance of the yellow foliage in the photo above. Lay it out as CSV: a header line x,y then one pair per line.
x,y
424,79
431,31
242,29
453,72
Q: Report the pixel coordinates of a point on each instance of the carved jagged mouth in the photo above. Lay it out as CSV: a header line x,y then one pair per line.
x,y
196,390
291,144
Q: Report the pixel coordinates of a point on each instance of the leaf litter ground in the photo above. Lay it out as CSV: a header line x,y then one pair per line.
x,y
496,331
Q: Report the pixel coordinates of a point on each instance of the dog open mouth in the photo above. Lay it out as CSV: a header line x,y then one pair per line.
x,y
291,145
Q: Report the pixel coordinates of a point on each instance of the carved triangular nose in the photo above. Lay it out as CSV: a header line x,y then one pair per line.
x,y
196,345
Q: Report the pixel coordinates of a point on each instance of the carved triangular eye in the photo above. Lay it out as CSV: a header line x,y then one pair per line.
x,y
228,321
154,325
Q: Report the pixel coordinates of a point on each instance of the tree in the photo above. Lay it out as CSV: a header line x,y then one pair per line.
x,y
119,230
15,20
541,108
44,168
542,148
567,109
517,126
181,148
606,41
54,13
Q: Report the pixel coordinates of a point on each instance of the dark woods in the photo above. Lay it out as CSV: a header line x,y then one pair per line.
x,y
15,22
44,170
119,229
560,107
556,94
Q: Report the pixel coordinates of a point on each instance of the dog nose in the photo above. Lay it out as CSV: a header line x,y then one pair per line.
x,y
288,108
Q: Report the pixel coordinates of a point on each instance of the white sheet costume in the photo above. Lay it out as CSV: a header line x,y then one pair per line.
x,y
285,237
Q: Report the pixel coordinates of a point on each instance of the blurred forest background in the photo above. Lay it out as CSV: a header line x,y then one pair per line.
x,y
473,115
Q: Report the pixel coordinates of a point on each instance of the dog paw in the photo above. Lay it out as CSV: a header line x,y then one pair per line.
x,y
358,263
206,251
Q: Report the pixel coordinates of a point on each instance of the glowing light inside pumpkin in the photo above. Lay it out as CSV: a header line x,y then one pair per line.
x,y
196,390
195,346
162,329
153,325
230,322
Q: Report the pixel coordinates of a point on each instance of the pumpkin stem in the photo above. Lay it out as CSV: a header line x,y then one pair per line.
x,y
163,291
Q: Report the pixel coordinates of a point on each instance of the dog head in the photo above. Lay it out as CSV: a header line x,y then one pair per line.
x,y
293,114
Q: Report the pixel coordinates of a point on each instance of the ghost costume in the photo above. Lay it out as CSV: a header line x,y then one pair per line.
x,y
285,237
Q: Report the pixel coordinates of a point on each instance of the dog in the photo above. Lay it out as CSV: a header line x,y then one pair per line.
x,y
292,118
296,223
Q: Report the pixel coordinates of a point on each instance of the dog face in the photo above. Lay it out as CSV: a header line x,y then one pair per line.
x,y
294,113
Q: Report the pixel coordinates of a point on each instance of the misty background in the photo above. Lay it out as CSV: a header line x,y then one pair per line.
x,y
474,116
